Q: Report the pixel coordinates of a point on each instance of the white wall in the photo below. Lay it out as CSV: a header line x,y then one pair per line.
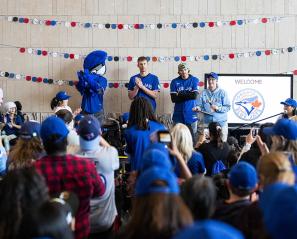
x,y
36,97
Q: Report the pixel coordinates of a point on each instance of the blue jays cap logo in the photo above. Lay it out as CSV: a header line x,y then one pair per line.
x,y
248,104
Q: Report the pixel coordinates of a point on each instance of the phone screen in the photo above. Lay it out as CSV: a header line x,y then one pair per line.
x,y
164,137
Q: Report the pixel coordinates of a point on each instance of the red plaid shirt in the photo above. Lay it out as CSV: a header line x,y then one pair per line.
x,y
77,175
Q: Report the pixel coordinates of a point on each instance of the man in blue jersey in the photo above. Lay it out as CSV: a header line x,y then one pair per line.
x,y
92,84
183,92
216,103
144,84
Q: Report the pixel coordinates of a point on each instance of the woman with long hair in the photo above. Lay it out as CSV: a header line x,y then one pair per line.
x,y
28,147
182,137
142,122
21,190
215,150
158,211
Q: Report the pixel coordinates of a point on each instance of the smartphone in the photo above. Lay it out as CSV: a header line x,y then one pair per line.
x,y
255,132
206,133
164,137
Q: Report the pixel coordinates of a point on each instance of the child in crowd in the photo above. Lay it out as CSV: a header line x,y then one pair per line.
x,y
60,101
12,121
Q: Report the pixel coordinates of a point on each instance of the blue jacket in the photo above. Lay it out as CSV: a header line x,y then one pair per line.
x,y
217,97
183,112
91,87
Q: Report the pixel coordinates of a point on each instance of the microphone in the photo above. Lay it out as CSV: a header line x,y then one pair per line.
x,y
285,114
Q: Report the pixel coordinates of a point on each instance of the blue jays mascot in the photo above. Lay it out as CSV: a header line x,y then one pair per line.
x,y
92,84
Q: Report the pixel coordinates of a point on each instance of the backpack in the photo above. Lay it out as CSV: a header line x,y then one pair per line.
x,y
217,167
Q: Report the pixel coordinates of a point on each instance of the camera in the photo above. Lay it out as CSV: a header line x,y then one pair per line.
x,y
164,137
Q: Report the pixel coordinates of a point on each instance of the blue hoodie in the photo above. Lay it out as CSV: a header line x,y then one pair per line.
x,y
217,97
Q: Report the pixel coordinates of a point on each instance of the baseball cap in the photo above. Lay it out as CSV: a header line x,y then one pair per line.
x,y
155,157
290,102
243,176
146,182
213,75
62,95
94,59
281,213
283,127
209,229
9,105
183,66
125,116
89,129
29,130
53,126
79,117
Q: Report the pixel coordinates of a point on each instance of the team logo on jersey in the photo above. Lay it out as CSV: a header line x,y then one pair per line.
x,y
248,104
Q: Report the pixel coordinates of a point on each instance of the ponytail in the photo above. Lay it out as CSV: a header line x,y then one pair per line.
x,y
54,103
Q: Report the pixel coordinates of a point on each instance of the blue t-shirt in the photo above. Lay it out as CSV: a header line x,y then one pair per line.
x,y
138,140
8,128
151,82
195,164
91,86
183,111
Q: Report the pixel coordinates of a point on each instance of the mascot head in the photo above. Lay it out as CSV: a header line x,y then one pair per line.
x,y
95,62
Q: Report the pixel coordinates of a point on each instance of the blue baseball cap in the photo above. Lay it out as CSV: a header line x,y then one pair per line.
x,y
243,176
88,130
79,117
283,127
209,229
155,157
213,75
94,59
280,216
29,130
145,183
62,95
125,116
53,125
290,102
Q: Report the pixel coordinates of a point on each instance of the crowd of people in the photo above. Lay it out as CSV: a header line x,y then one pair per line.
x,y
61,179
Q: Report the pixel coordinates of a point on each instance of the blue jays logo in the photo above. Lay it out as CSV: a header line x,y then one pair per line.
x,y
248,104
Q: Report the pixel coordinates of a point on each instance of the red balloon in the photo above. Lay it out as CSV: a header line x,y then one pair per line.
x,y
71,56
183,58
267,52
201,83
232,23
39,79
120,26
231,55
116,85
211,24
166,85
154,59
26,20
295,72
48,22
129,58
22,50
44,53
264,20
73,24
28,78
136,26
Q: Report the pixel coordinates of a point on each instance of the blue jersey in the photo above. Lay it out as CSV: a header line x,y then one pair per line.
x,y
195,164
151,82
183,111
91,86
219,98
138,140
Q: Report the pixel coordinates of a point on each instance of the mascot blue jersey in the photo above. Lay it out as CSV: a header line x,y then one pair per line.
x,y
91,86
151,82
